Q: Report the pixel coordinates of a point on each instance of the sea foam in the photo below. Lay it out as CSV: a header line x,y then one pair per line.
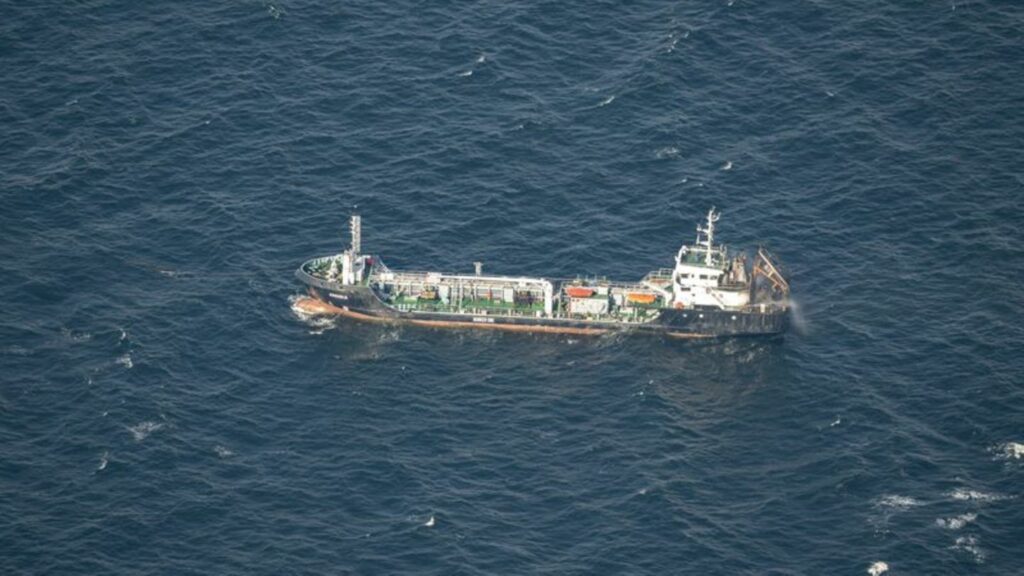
x,y
143,429
1014,450
976,495
969,544
878,568
897,502
957,522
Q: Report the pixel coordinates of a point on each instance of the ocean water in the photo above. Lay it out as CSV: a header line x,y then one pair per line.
x,y
164,167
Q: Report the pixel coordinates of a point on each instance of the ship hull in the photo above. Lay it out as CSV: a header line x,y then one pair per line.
x,y
359,302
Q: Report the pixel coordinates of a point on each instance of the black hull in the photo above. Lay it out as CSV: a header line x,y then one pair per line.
x,y
362,303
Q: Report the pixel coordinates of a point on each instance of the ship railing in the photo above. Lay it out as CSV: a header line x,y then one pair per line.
x,y
433,277
659,274
308,278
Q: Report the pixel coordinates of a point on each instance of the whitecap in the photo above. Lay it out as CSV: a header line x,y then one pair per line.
x,y
667,152
222,451
1013,450
143,429
430,523
126,360
104,460
727,165
320,324
897,502
481,59
969,544
836,422
607,101
976,495
75,336
957,522
878,568
466,73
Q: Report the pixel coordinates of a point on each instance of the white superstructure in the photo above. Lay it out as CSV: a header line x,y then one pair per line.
x,y
705,275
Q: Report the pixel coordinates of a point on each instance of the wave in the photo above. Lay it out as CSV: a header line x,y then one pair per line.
x,y
897,502
75,336
969,544
878,568
1010,450
143,429
976,495
957,522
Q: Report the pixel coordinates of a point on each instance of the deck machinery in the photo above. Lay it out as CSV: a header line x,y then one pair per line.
x,y
709,292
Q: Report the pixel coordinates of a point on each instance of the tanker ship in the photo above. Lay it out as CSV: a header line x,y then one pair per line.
x,y
710,292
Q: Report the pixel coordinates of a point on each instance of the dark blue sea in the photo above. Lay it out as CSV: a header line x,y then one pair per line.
x,y
165,167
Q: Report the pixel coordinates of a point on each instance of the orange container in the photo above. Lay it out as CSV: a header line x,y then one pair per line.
x,y
641,297
579,291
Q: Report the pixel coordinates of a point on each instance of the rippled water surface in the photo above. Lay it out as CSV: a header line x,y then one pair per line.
x,y
164,167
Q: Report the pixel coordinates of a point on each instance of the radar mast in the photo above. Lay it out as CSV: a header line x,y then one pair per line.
x,y
709,234
356,228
